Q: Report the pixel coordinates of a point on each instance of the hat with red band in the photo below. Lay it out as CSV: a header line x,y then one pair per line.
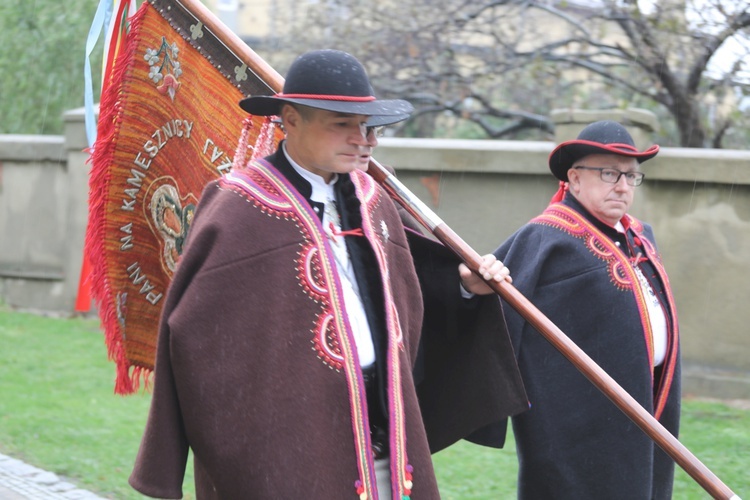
x,y
602,137
334,81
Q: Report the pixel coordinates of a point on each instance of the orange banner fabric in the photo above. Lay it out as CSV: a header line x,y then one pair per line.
x,y
169,123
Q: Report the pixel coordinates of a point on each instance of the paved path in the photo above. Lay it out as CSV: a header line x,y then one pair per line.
x,y
21,481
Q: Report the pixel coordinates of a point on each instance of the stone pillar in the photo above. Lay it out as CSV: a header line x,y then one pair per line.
x,y
640,123
78,199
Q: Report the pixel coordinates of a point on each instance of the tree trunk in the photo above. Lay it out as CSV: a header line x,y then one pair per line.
x,y
691,130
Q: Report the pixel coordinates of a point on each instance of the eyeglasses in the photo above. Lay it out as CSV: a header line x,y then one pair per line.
x,y
378,131
612,175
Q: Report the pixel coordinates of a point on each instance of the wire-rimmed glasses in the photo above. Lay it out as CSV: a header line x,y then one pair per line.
x,y
612,175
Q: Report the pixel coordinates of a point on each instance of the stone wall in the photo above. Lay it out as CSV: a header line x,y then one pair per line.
x,y
698,202
43,212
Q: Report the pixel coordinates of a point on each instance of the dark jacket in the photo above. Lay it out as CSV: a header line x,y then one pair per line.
x,y
574,442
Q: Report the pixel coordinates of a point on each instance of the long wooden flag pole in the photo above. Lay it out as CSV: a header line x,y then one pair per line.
x,y
605,383
681,455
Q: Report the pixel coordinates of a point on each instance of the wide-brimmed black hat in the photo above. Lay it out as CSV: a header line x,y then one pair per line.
x,y
332,80
602,137
383,120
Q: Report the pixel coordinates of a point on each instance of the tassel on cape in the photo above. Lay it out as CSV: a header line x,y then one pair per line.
x,y
560,194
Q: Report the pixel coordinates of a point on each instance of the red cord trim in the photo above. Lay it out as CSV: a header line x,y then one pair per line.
x,y
326,97
349,232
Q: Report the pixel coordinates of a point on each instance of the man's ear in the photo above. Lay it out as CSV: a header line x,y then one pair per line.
x,y
574,180
290,117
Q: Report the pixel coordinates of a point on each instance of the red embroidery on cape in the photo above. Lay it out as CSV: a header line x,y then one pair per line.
x,y
670,360
560,217
622,275
260,185
402,473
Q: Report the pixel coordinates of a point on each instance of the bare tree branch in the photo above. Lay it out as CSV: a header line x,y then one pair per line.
x,y
504,64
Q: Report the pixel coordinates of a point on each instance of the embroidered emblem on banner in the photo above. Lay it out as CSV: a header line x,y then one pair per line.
x,y
169,215
165,68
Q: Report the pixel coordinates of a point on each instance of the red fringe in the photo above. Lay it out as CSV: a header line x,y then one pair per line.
x,y
110,117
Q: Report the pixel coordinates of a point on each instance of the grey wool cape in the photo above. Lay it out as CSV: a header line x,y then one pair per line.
x,y
256,368
574,443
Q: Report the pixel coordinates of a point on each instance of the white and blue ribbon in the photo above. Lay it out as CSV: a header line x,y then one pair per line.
x,y
101,22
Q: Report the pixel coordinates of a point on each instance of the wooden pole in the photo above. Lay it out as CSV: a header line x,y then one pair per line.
x,y
624,401
605,383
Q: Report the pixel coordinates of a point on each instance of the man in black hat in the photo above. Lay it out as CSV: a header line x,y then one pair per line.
x,y
288,350
594,270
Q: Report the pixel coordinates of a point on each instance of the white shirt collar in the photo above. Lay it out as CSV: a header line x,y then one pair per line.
x,y
321,191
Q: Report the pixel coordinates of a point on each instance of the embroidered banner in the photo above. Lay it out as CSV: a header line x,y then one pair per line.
x,y
169,123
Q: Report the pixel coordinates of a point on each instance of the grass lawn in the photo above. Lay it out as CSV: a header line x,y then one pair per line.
x,y
58,412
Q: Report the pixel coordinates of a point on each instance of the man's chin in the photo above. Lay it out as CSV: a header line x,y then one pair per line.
x,y
351,167
363,166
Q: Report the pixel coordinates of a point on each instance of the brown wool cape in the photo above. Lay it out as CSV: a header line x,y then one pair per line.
x,y
256,370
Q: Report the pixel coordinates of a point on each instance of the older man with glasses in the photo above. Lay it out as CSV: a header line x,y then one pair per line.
x,y
594,270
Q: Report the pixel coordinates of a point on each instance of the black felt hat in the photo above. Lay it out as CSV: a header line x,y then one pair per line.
x,y
602,137
382,120
332,80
